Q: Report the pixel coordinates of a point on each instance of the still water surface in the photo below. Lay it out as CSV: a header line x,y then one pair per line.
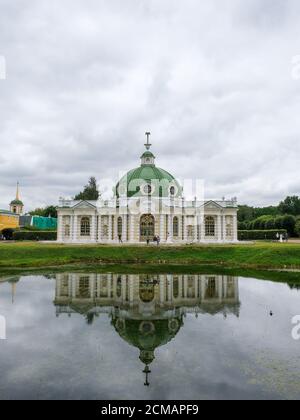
x,y
109,336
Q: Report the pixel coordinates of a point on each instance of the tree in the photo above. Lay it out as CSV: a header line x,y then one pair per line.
x,y
46,212
245,213
291,205
279,222
297,227
270,224
288,223
90,191
242,226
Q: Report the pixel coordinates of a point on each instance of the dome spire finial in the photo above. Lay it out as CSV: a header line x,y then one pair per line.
x,y
147,371
148,144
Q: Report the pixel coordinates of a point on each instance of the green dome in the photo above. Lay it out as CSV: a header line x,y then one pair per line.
x,y
148,180
16,203
147,335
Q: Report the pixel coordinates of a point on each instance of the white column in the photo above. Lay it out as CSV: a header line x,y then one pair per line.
x,y
185,228
202,231
132,227
114,228
203,287
181,278
162,227
219,228
92,286
98,285
58,286
124,228
195,228
170,227
74,282
123,289
93,228
109,285
162,290
185,287
109,228
100,233
131,290
220,288
235,228
224,228
75,228
196,286
170,288
236,289
60,228
225,287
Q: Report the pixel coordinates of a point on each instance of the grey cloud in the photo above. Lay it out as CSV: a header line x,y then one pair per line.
x,y
211,81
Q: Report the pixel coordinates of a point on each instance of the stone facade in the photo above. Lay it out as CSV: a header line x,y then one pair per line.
x,y
148,202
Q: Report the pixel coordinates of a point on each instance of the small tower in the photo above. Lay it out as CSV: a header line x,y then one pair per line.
x,y
16,206
147,157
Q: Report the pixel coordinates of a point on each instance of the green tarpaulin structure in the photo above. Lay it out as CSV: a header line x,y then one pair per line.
x,y
44,223
39,222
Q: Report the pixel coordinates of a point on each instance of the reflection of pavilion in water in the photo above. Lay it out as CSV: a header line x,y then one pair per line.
x,y
147,311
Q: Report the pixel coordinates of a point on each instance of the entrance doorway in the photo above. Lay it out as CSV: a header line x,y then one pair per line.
x,y
147,228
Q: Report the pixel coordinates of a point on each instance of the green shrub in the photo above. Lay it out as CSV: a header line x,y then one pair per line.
x,y
34,235
279,222
242,226
288,223
250,235
270,224
297,227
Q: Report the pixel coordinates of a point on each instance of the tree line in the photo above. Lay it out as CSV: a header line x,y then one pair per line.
x,y
284,216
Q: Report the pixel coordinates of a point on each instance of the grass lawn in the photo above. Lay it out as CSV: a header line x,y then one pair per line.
x,y
257,256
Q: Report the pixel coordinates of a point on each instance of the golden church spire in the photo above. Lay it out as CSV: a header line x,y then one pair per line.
x,y
18,191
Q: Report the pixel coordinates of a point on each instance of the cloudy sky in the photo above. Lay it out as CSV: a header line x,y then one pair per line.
x,y
216,82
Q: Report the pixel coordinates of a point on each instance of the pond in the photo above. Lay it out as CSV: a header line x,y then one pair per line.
x,y
114,336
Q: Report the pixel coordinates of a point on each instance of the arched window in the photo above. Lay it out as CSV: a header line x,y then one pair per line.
x,y
175,226
84,288
120,226
211,288
85,227
147,227
176,287
172,191
119,287
210,226
146,289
